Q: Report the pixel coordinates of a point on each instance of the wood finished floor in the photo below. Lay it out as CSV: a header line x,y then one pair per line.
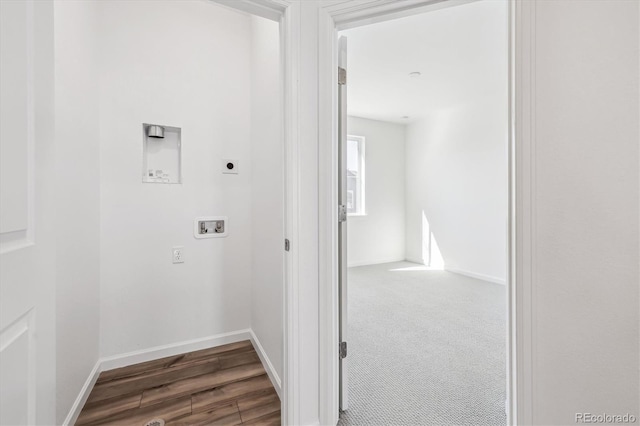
x,y
225,385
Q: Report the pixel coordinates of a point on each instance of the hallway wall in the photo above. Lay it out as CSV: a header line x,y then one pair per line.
x,y
585,209
267,191
184,64
77,202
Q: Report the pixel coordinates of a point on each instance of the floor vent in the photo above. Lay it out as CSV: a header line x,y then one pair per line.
x,y
155,422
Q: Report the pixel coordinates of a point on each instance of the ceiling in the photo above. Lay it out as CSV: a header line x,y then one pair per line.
x,y
460,51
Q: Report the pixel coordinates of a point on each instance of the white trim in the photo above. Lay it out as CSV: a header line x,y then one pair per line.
x,y
269,9
356,13
375,262
290,27
476,275
511,406
266,362
76,408
288,13
157,352
522,245
328,193
328,220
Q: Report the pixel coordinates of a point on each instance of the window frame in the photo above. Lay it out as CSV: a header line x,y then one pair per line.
x,y
361,141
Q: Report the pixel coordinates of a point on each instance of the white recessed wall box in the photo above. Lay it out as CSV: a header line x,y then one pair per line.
x,y
210,227
161,154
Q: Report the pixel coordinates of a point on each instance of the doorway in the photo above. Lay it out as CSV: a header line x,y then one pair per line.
x,y
133,82
423,266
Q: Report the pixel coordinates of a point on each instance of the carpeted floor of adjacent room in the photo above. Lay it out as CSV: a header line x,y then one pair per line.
x,y
426,347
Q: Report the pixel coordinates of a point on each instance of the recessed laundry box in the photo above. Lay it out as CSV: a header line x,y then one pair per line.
x,y
161,154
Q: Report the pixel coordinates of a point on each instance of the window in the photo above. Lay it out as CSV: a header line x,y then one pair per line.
x,y
355,175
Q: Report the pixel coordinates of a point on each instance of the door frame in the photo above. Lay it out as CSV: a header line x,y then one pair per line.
x,y
334,17
286,13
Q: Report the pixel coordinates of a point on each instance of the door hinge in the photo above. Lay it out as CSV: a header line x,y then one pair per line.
x,y
342,76
343,350
342,213
287,245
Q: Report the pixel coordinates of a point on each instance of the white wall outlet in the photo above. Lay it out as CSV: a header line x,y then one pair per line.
x,y
230,167
178,255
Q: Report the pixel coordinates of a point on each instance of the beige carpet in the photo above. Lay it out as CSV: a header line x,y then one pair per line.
x,y
425,348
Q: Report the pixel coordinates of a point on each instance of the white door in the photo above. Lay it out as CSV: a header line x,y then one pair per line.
x,y
342,226
27,244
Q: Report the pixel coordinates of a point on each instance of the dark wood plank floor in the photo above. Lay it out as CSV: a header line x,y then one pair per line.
x,y
225,385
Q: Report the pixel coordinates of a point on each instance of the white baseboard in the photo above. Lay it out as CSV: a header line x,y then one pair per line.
x,y
271,371
144,355
476,275
74,412
412,260
375,262
130,358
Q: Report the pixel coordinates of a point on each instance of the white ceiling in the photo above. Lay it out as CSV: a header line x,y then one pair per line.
x,y
460,51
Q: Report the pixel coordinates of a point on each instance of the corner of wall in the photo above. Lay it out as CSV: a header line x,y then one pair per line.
x,y
269,367
78,200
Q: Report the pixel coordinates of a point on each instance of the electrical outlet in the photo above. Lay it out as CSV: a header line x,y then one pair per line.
x,y
178,255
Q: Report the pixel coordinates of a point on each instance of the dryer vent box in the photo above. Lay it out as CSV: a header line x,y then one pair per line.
x,y
161,154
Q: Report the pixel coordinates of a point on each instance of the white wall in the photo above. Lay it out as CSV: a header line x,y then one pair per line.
x,y
267,190
457,185
585,210
77,180
184,64
379,236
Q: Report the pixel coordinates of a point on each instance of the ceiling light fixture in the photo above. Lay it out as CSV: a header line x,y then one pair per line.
x,y
415,74
405,116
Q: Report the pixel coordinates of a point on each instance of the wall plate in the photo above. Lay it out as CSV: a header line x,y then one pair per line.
x,y
230,167
178,254
209,224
